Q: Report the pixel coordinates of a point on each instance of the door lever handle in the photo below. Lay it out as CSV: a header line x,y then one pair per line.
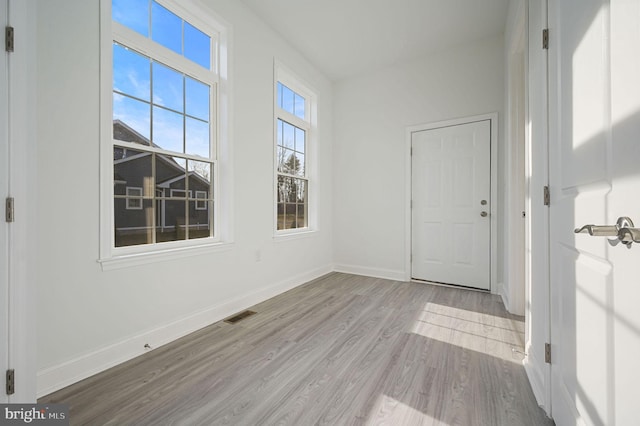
x,y
623,229
629,235
598,230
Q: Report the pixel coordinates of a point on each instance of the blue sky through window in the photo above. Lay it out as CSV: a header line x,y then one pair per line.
x,y
197,46
167,28
168,87
132,13
131,73
157,101
290,101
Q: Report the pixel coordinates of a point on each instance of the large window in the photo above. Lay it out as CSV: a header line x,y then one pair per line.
x,y
293,105
164,125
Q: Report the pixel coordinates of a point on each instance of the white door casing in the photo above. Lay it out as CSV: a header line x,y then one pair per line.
x,y
537,328
451,178
594,86
4,193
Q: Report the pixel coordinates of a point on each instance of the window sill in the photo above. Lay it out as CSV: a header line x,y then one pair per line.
x,y
138,259
295,235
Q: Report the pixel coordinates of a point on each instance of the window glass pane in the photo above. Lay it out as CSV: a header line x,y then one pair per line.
x,y
289,162
300,142
288,135
166,28
200,219
132,169
299,164
168,87
301,200
197,46
170,176
131,73
197,99
200,212
279,124
200,177
133,215
280,219
133,226
168,130
280,158
279,95
131,120
133,14
285,185
301,220
197,138
287,99
301,191
299,106
172,220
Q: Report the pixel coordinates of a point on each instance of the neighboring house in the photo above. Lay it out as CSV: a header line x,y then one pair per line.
x,y
180,196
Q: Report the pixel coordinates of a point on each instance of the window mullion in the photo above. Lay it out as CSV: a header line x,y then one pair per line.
x,y
144,45
292,119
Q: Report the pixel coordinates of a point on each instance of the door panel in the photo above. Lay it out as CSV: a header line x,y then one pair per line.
x,y
595,178
451,242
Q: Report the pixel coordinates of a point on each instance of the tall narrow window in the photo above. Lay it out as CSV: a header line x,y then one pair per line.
x,y
293,103
164,125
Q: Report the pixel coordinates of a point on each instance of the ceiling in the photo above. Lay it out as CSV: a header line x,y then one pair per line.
x,y
344,38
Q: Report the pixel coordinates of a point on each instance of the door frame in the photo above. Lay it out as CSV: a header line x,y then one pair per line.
x,y
493,119
537,240
4,192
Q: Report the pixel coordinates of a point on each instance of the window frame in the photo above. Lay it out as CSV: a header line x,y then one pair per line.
x,y
285,76
110,256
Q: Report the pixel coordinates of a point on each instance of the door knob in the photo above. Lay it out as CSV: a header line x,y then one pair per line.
x,y
483,214
623,229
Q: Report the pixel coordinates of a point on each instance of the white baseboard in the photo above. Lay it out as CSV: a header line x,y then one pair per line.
x,y
54,378
503,295
387,274
537,381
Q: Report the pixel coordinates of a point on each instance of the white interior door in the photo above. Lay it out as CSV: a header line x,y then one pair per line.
x,y
451,198
595,178
4,191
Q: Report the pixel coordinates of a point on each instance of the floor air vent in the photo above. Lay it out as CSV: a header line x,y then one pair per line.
x,y
238,317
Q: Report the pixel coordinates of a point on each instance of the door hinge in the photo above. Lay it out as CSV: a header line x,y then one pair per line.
x,y
545,38
547,353
9,210
8,39
547,196
11,381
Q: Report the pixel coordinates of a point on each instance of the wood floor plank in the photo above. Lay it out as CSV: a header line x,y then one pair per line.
x,y
340,350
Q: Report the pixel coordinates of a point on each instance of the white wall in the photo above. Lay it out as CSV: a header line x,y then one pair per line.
x,y
371,115
89,319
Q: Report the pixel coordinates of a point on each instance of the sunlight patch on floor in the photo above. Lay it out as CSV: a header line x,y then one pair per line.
x,y
390,411
488,334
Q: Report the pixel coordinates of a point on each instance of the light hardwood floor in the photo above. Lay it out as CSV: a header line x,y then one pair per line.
x,y
340,350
